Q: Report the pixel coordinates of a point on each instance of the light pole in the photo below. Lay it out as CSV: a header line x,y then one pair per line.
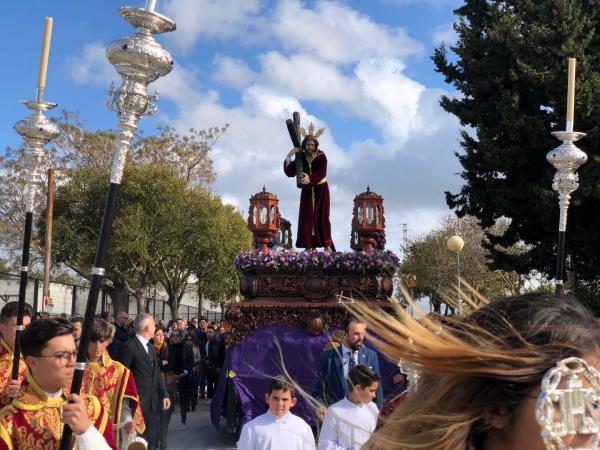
x,y
455,244
411,283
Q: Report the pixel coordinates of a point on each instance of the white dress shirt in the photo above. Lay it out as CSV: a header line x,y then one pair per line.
x,y
144,341
268,432
91,439
347,425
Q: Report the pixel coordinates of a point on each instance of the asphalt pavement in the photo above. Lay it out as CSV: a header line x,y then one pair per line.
x,y
200,433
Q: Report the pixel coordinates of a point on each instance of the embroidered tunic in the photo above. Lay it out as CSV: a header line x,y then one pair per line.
x,y
33,422
6,361
115,387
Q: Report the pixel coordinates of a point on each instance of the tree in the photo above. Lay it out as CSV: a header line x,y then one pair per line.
x,y
162,233
75,147
146,205
435,266
217,278
509,66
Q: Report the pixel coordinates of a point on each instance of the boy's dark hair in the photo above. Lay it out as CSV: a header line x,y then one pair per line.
x,y
35,337
279,383
11,309
100,331
363,376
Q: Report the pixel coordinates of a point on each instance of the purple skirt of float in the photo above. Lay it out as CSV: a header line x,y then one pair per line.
x,y
257,359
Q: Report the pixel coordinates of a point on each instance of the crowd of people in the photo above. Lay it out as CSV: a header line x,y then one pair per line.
x,y
518,373
137,371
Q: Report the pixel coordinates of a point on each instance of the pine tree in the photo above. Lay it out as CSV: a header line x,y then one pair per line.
x,y
509,66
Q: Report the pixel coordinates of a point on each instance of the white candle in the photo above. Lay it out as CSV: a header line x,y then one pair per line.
x,y
150,5
45,53
571,94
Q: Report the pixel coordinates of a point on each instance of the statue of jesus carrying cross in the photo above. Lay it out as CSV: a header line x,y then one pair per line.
x,y
310,167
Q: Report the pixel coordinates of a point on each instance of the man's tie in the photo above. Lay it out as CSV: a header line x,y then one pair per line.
x,y
150,352
351,361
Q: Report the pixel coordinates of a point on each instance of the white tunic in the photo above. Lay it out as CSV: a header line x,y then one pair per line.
x,y
347,426
268,432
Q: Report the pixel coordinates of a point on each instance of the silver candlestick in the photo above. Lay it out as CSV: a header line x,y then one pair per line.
x,y
140,60
36,131
566,159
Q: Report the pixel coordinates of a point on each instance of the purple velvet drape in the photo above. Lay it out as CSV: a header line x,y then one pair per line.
x,y
257,359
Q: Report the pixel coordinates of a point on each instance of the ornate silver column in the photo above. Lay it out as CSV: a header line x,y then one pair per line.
x,y
140,60
566,159
36,131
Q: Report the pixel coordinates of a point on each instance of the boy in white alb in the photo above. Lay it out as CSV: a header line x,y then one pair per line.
x,y
278,428
348,424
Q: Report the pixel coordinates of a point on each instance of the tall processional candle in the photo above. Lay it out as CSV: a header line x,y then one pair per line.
x,y
571,94
44,59
36,131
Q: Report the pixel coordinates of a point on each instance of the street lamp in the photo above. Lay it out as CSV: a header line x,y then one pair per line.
x,y
455,244
411,283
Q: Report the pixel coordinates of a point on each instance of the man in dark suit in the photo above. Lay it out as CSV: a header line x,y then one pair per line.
x,y
213,356
200,342
138,355
334,365
121,335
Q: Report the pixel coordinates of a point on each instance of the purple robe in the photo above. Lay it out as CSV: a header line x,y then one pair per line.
x,y
314,228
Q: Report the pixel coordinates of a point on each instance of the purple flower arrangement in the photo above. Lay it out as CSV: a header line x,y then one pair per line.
x,y
300,261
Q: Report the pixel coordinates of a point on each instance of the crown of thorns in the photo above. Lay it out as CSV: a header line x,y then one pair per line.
x,y
311,131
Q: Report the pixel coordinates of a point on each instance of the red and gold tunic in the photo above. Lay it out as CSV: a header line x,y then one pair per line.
x,y
112,383
32,421
6,361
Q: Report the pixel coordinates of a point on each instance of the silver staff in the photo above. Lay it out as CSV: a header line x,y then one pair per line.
x,y
140,60
36,131
566,159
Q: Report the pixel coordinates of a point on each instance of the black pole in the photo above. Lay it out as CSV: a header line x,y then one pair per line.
x,y
36,291
560,264
90,308
22,293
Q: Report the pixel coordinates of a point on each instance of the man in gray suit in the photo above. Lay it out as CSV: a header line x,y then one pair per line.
x,y
139,356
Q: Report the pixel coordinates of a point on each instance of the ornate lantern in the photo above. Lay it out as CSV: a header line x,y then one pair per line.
x,y
286,233
368,221
263,218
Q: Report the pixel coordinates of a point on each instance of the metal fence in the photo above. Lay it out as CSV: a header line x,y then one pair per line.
x,y
71,299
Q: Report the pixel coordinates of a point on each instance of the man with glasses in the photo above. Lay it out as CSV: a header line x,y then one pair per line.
x,y
113,384
8,328
35,419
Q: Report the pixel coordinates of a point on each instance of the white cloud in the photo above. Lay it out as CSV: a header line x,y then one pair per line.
x,y
232,72
345,63
335,32
308,78
427,2
91,66
444,34
212,19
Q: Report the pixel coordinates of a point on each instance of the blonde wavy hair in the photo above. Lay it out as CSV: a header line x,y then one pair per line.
x,y
474,369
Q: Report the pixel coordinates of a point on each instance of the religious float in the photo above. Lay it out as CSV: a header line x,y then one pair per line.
x,y
293,304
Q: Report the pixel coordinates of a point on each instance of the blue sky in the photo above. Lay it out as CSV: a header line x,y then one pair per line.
x,y
361,68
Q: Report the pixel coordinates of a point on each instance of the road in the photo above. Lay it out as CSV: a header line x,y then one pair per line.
x,y
200,433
